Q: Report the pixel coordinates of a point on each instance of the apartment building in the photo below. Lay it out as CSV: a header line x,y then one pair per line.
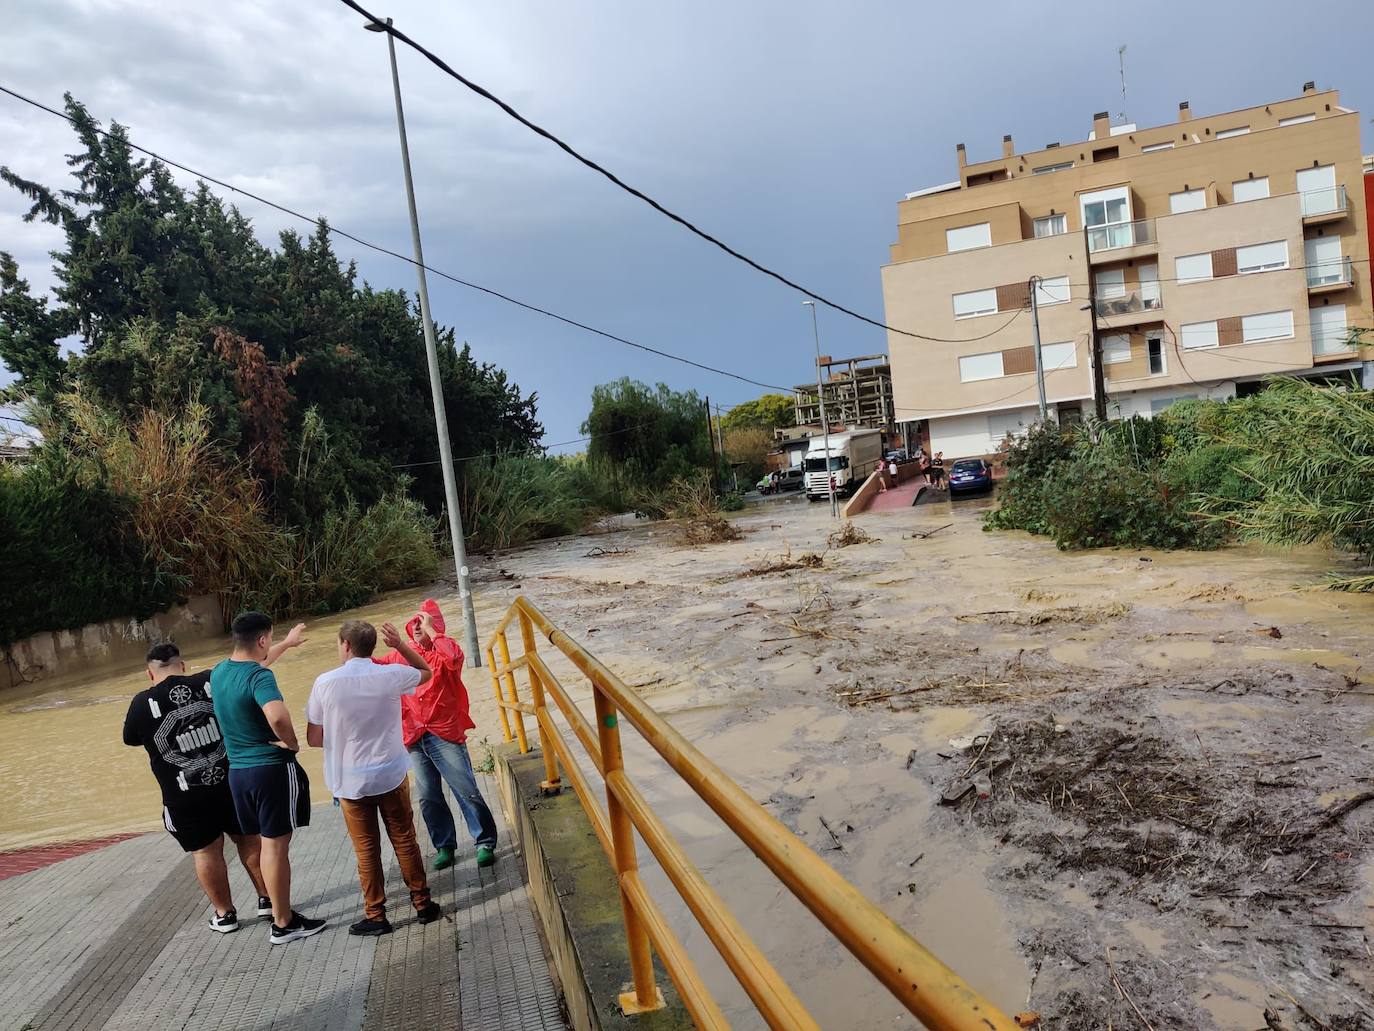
x,y
1214,252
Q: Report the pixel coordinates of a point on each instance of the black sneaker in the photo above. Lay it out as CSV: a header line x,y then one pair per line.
x,y
264,906
366,928
299,927
226,924
430,913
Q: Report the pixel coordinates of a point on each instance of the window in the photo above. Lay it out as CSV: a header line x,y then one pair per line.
x,y
1116,348
965,238
1322,256
1195,335
1052,168
1187,200
1329,333
1051,225
1052,291
1154,348
1160,403
1318,189
1107,154
1059,356
1107,217
1298,119
1250,189
1273,325
1168,145
975,302
1193,268
1149,287
1110,284
1226,134
1262,257
980,366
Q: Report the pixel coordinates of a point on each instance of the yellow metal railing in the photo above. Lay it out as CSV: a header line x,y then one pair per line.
x,y
925,986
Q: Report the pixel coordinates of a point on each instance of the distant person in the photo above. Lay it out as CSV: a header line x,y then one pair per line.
x,y
892,470
354,714
882,477
174,720
937,468
435,723
271,791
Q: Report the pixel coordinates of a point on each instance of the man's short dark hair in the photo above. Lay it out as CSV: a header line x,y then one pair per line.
x,y
361,637
163,653
249,626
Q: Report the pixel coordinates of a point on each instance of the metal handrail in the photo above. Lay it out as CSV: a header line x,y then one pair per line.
x,y
925,986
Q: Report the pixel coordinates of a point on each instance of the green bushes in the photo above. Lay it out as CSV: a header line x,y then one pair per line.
x,y
1089,492
67,560
1292,464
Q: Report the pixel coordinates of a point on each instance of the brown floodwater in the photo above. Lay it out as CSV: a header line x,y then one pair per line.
x,y
757,699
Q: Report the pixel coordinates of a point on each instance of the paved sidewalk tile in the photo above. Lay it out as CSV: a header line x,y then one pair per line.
x,y
117,939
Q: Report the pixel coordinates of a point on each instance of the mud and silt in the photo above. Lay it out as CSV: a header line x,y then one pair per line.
x,y
1168,812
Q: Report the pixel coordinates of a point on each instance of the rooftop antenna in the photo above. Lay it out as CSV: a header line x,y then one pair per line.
x,y
1121,63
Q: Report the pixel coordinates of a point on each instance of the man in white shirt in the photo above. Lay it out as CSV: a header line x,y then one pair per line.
x,y
354,714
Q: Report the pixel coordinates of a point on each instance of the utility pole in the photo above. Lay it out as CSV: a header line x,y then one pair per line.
x,y
711,439
1039,356
720,440
825,423
455,517
1095,341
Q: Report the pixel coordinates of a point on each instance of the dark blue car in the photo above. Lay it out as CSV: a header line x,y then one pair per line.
x,y
969,475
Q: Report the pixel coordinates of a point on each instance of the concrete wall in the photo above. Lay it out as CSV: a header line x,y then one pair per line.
x,y
123,641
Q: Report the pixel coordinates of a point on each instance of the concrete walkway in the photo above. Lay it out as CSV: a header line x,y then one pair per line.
x,y
901,496
116,938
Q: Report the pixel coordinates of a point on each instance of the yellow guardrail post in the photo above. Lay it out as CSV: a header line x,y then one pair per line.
x,y
503,650
645,995
496,690
551,784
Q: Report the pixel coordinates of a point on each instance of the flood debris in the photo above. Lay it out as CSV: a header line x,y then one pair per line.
x,y
783,563
710,528
1082,615
922,535
849,534
600,552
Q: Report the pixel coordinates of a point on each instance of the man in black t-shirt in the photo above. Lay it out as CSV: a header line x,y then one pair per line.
x,y
175,721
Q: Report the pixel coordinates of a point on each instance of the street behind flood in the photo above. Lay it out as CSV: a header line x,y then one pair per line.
x,y
1089,782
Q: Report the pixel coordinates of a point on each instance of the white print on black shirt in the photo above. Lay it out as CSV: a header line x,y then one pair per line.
x,y
189,739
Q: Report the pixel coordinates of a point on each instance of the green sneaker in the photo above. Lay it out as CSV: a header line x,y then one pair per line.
x,y
485,856
443,859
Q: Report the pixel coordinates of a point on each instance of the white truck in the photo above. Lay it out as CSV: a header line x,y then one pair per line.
x,y
853,456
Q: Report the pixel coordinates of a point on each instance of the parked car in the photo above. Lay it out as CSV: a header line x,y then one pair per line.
x,y
788,479
897,455
969,475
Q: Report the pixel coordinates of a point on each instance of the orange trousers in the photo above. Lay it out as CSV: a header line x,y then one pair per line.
x,y
360,817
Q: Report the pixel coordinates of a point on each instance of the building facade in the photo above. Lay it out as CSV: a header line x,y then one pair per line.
x,y
1214,252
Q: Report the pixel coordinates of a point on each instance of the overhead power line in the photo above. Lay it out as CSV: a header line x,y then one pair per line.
x,y
438,62
320,223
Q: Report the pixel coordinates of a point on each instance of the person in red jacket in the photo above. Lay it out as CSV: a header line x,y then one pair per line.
x,y
435,724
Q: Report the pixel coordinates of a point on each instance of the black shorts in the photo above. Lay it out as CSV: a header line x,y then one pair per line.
x,y
271,800
201,818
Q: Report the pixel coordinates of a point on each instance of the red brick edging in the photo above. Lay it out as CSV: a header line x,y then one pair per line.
x,y
24,860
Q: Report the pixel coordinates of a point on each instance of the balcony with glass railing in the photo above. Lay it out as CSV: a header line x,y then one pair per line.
x,y
1129,309
1327,276
1324,205
1117,236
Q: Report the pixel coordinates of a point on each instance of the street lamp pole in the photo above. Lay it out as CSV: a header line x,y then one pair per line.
x,y
825,423
455,517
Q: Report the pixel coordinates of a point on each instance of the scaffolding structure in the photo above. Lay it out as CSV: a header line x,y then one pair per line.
x,y
858,392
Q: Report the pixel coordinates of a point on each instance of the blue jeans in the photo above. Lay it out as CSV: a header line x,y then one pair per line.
x,y
432,758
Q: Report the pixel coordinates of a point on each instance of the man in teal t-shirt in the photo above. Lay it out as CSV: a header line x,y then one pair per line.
x,y
271,791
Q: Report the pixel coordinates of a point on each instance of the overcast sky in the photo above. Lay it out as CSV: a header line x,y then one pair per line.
x,y
788,129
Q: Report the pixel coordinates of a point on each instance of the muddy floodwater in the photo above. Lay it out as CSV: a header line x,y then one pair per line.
x,y
1156,764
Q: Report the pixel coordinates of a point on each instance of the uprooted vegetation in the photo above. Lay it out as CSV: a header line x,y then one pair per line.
x,y
1081,615
849,534
692,501
783,563
1159,819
